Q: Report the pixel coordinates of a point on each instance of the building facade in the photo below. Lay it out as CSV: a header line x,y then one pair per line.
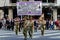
x,y
50,8
9,8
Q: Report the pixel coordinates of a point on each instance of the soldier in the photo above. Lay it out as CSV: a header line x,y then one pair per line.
x,y
25,27
42,26
31,27
42,23
16,23
42,29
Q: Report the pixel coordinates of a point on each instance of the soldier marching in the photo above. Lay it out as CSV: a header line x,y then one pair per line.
x,y
25,28
28,27
16,25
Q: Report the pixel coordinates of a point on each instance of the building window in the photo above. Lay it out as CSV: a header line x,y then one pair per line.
x,y
13,1
14,12
25,0
5,12
37,0
44,0
58,13
51,1
47,13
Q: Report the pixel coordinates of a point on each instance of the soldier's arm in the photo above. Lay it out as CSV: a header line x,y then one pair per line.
x,y
33,26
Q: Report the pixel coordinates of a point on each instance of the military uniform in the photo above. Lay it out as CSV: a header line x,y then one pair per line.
x,y
42,27
16,27
25,28
30,28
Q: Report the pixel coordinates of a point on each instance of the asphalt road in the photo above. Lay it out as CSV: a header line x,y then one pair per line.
x,y
49,35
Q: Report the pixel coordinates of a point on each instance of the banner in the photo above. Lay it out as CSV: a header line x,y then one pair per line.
x,y
29,8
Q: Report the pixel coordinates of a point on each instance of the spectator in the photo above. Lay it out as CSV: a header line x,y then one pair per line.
x,y
47,24
4,23
0,24
8,24
51,24
35,26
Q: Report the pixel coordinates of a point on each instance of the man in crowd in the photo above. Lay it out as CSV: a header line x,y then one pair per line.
x,y
0,24
3,23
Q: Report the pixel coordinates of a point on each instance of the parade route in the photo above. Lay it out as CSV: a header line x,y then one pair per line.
x,y
49,35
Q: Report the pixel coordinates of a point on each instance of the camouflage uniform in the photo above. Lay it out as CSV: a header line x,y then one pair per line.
x,y
42,27
16,27
25,29
30,29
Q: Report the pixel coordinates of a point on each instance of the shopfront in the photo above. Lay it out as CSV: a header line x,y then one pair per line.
x,y
48,12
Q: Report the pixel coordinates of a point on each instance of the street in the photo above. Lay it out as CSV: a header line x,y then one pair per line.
x,y
49,35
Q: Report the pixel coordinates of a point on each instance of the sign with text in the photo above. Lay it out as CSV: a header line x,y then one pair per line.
x,y
29,8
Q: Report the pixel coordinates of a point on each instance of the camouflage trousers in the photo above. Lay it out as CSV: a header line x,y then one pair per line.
x,y
29,31
42,30
16,29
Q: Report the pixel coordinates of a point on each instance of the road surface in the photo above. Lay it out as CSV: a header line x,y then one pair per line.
x,y
49,35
